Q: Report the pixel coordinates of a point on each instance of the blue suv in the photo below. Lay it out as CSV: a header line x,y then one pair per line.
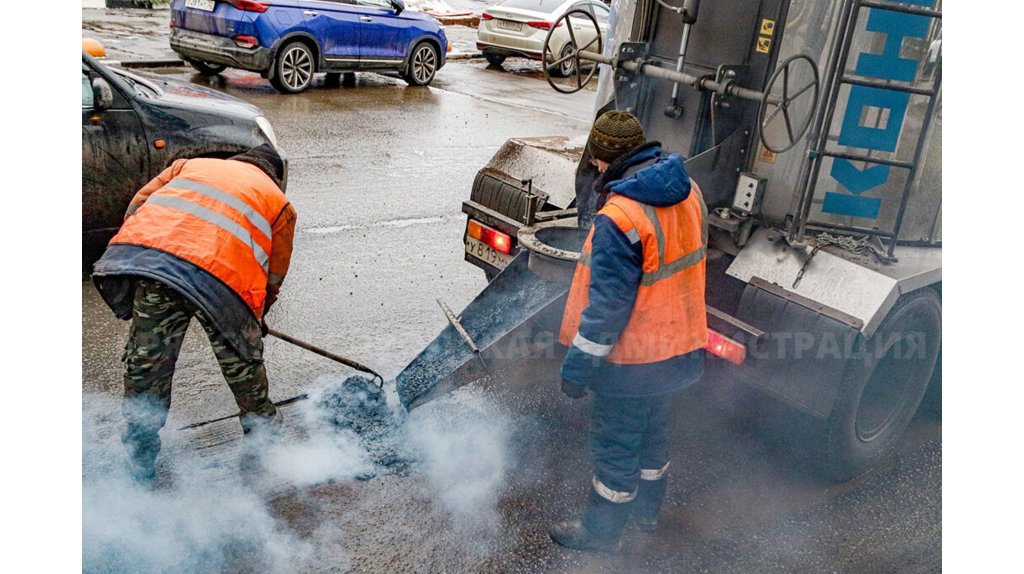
x,y
287,41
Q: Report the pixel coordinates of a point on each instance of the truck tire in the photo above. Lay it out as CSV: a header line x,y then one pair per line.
x,y
884,388
932,403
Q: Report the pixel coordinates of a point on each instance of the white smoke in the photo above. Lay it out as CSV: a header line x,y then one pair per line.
x,y
461,442
197,517
206,514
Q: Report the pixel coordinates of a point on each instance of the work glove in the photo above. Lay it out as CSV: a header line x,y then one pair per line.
x,y
264,330
572,390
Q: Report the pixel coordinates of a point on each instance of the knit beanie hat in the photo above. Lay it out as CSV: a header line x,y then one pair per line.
x,y
613,134
266,158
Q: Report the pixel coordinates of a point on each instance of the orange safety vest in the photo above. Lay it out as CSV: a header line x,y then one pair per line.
x,y
669,317
218,215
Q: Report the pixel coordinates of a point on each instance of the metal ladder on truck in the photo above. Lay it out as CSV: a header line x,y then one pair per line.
x,y
922,12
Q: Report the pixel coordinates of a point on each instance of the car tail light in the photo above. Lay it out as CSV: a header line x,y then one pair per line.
x,y
246,41
542,25
249,5
724,347
486,16
489,236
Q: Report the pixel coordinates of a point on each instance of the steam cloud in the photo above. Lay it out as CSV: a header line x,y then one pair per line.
x,y
461,443
205,518
193,526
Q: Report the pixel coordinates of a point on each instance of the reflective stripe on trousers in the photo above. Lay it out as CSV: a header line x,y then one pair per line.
x,y
612,495
653,474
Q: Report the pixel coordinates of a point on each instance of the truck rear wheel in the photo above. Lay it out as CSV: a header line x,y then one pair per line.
x,y
884,387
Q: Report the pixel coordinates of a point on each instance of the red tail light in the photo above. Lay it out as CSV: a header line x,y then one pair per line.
x,y
489,236
726,348
249,5
246,41
486,16
542,25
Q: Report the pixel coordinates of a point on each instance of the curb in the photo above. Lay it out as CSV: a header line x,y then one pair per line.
x,y
464,55
170,63
468,21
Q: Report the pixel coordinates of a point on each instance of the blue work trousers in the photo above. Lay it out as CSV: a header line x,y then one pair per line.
x,y
627,435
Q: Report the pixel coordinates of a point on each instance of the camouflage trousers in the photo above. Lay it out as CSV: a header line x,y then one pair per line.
x,y
160,319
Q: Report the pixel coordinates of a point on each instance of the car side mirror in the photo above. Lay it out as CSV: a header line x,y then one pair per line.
x,y
102,94
398,5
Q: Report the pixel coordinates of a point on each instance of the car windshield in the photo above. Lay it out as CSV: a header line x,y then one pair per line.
x,y
547,6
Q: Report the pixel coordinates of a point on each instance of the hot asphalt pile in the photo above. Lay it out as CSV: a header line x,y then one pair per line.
x,y
359,405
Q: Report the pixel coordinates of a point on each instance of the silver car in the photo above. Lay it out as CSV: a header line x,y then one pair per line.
x,y
517,28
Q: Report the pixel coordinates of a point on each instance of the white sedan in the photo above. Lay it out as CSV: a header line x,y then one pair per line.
x,y
517,28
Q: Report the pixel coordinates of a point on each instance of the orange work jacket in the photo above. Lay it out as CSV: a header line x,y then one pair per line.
x,y
217,214
669,317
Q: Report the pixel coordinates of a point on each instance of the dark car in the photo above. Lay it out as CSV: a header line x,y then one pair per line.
x,y
135,124
287,41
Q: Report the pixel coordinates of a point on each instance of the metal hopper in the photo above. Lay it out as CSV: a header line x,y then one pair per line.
x,y
517,314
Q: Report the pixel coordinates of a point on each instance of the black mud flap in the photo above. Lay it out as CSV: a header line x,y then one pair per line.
x,y
805,351
503,323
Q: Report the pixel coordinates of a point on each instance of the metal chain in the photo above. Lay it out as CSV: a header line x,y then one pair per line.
x,y
846,242
857,246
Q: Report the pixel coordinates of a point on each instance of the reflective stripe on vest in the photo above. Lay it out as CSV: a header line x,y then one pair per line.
x,y
214,218
668,317
665,270
686,261
257,220
218,215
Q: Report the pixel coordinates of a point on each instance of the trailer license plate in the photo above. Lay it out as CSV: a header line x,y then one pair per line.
x,y
510,25
487,254
206,5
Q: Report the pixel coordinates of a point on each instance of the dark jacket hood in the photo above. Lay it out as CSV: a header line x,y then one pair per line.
x,y
646,176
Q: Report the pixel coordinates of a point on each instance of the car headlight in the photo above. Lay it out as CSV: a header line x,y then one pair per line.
x,y
267,130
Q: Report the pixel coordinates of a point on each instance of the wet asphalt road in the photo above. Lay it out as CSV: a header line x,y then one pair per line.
x,y
378,172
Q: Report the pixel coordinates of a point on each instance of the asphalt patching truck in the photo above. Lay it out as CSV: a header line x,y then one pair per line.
x,y
814,131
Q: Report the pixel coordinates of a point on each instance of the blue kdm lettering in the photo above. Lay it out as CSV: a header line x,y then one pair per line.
x,y
886,66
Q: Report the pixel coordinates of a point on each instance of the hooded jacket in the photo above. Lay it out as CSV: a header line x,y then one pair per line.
x,y
616,269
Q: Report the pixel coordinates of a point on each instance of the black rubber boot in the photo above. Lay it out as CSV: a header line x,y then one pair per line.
x,y
600,529
647,504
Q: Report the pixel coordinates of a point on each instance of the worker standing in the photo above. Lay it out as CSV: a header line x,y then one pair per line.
x,y
635,325
211,239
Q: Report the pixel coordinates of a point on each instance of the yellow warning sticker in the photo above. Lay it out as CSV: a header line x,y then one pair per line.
x,y
767,27
764,45
766,155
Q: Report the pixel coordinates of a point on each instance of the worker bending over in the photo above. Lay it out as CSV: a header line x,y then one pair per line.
x,y
211,239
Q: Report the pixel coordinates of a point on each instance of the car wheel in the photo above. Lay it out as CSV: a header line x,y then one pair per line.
x,y
293,69
206,68
567,68
495,59
884,387
422,65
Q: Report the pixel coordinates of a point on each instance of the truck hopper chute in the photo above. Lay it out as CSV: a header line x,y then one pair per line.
x,y
516,313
